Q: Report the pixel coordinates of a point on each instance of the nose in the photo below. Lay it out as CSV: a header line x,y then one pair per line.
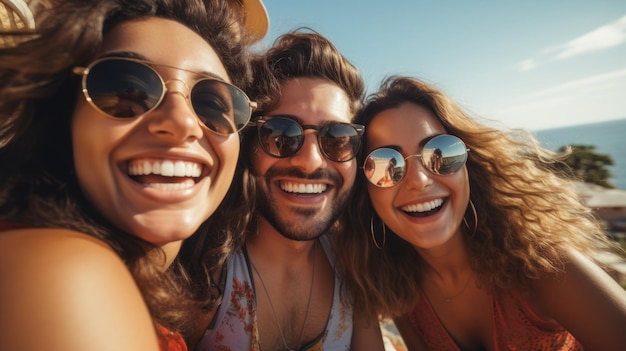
x,y
417,176
310,156
174,119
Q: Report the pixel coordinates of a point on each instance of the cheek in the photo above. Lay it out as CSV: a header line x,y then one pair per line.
x,y
464,188
348,173
228,153
89,140
459,186
95,138
92,144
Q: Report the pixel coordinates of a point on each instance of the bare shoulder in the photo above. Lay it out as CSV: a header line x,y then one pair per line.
x,y
56,253
67,290
585,300
580,276
43,237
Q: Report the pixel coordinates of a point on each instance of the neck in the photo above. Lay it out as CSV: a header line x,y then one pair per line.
x,y
269,244
447,258
167,253
284,268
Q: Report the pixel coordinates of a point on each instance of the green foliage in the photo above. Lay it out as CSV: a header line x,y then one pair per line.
x,y
588,165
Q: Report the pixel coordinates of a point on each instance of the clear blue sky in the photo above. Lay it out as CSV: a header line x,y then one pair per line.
x,y
534,64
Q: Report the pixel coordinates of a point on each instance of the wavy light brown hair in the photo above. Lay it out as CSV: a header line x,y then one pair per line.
x,y
37,95
528,215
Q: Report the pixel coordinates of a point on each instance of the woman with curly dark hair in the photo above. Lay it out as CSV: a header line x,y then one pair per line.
x,y
475,243
119,137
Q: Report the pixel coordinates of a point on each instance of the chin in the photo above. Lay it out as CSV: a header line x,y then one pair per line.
x,y
160,231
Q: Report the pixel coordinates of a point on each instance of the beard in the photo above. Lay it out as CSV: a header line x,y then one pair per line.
x,y
300,224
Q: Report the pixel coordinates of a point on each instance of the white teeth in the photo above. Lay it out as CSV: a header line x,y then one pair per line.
x,y
423,207
165,168
303,188
169,186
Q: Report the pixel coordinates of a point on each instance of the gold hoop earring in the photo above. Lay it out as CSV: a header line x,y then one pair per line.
x,y
380,247
475,218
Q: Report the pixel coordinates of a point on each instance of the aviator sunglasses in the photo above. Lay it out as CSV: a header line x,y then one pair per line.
x,y
125,88
442,155
282,137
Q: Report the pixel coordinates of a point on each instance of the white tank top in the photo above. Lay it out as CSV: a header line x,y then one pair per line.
x,y
235,320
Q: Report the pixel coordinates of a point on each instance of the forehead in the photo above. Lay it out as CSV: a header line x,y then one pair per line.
x,y
406,126
164,42
313,101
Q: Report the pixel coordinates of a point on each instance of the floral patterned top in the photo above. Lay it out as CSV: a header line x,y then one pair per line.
x,y
236,323
516,327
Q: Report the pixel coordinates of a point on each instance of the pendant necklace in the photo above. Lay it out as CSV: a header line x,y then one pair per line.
x,y
308,304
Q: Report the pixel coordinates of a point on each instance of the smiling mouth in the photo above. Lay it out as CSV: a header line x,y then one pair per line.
x,y
302,189
165,174
424,209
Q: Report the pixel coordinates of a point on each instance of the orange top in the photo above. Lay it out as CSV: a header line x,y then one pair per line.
x,y
175,341
517,327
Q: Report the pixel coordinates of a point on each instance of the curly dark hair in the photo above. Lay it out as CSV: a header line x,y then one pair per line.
x,y
37,95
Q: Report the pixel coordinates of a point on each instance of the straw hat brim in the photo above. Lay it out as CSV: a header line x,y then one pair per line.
x,y
257,20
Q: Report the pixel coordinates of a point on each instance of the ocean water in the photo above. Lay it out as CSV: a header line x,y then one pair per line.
x,y
609,138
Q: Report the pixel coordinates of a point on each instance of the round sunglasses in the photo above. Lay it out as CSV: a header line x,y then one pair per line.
x,y
281,136
442,155
124,88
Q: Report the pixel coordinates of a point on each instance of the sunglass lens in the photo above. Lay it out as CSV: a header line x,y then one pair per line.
x,y
384,167
221,107
123,89
280,137
340,142
444,154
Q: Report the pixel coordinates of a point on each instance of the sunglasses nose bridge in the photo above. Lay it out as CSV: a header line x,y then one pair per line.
x,y
312,130
177,86
313,139
412,156
309,154
418,163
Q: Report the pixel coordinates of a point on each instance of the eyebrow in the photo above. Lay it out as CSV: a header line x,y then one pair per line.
x,y
420,146
299,120
140,57
293,117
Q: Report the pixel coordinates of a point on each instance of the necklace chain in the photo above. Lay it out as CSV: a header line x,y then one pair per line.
x,y
449,299
308,304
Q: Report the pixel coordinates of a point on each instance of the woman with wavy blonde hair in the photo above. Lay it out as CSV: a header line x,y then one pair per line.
x,y
486,249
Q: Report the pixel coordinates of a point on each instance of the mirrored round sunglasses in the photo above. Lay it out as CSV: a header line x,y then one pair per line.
x,y
442,155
